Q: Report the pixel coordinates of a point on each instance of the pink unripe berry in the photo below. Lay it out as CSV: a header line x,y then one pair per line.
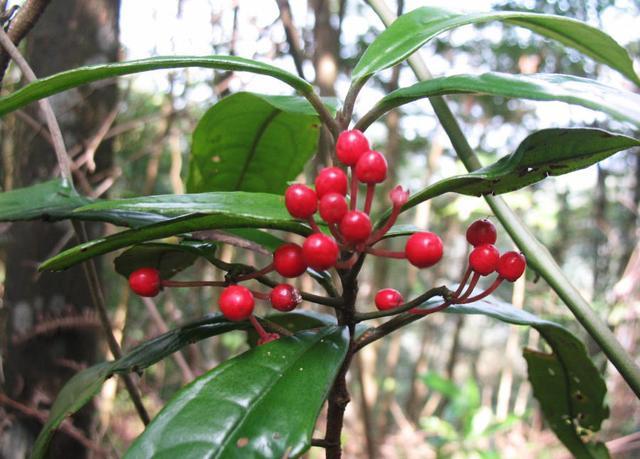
x,y
399,196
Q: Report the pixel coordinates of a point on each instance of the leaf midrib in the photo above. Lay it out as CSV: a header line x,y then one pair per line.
x,y
254,146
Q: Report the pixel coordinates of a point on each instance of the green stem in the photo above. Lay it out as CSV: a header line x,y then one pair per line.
x,y
538,257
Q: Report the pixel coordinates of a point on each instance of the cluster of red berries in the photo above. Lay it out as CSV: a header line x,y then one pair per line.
x,y
352,233
484,260
351,229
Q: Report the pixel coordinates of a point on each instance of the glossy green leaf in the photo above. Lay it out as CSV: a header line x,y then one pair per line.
x,y
570,389
51,200
412,30
85,384
549,152
267,240
295,321
620,104
83,75
252,142
199,212
167,258
261,404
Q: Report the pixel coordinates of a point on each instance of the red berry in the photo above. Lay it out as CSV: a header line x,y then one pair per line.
x,y
333,207
423,249
511,265
355,226
301,201
285,297
388,298
331,180
145,281
484,259
371,167
350,146
481,232
236,302
320,251
288,260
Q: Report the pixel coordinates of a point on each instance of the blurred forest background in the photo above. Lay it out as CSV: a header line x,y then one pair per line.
x,y
447,386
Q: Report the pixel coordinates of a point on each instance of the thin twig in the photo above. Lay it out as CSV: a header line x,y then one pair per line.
x,y
88,267
293,38
443,291
161,325
66,426
22,23
50,117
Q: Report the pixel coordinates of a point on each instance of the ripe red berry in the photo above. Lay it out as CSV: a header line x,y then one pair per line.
x,y
333,207
350,146
236,302
388,298
320,251
145,281
301,201
288,260
371,167
484,259
423,249
331,180
355,226
511,265
285,297
481,232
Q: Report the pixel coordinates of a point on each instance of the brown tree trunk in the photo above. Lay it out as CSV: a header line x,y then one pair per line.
x,y
70,33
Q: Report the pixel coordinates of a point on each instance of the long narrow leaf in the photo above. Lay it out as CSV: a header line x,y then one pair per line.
x,y
83,75
412,30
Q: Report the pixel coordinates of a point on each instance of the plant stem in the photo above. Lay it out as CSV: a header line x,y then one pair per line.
x,y
371,188
537,254
444,292
331,124
170,283
89,267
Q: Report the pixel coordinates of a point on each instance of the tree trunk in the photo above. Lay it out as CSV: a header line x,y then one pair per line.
x,y
70,33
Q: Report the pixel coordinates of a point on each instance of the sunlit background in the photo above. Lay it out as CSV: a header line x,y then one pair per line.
x,y
446,386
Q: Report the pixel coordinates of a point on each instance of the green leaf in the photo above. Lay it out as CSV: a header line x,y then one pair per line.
x,y
569,387
620,104
252,142
83,75
85,384
263,403
167,258
295,321
199,212
51,200
549,152
412,30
